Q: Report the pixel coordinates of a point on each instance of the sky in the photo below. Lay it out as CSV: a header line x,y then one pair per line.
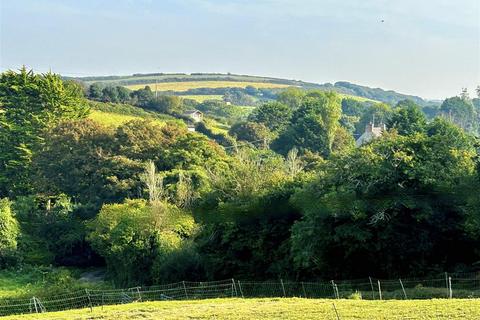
x,y
429,48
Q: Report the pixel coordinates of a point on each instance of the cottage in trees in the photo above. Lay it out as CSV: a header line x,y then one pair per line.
x,y
195,115
371,132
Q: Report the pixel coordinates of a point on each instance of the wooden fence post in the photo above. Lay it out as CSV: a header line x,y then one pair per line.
x,y
403,289
283,288
379,289
371,285
450,293
185,289
89,300
240,287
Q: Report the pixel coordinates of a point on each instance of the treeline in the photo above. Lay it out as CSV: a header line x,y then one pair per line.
x,y
291,198
248,96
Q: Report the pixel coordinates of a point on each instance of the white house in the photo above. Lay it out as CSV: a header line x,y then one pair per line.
x,y
195,115
371,132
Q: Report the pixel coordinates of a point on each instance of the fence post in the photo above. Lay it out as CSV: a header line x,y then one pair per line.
x,y
446,284
379,290
304,292
89,300
373,290
283,288
235,287
240,287
450,292
139,294
35,304
335,290
185,289
403,289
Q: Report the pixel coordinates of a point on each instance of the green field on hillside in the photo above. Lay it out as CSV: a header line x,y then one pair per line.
x,y
187,85
114,114
277,308
202,98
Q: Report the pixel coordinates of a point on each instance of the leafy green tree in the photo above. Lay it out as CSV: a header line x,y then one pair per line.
x,y
394,206
110,94
461,112
97,173
407,118
255,133
274,115
123,94
313,125
142,97
292,97
29,105
95,91
166,104
9,231
133,237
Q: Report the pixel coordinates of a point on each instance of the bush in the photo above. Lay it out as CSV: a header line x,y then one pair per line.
x,y
9,232
179,265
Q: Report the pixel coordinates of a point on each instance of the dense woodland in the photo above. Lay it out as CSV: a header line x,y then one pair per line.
x,y
285,193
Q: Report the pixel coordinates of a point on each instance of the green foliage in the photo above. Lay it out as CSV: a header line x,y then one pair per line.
x,y
166,104
29,104
391,207
274,115
133,237
84,149
378,113
51,231
407,118
255,133
9,232
313,125
461,112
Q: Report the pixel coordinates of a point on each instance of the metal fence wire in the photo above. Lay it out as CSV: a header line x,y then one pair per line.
x,y
445,286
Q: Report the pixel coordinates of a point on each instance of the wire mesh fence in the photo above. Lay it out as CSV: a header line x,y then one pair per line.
x,y
445,286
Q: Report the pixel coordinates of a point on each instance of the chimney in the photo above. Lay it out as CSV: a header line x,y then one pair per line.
x,y
369,127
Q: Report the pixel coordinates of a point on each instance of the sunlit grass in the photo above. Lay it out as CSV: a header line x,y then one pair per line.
x,y
279,308
116,119
186,85
202,98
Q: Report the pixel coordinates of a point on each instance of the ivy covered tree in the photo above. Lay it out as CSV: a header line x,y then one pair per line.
x,y
29,104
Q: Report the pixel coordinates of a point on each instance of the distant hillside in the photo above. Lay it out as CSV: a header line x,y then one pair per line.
x,y
164,80
388,96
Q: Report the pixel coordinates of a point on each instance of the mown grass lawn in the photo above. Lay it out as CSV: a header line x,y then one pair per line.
x,y
278,308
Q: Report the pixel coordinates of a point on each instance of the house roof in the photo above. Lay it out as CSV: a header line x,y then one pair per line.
x,y
191,112
371,132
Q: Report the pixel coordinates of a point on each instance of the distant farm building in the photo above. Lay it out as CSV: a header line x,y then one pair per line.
x,y
195,115
371,132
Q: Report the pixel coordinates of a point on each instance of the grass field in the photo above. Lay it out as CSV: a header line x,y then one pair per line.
x,y
202,98
275,308
112,114
186,85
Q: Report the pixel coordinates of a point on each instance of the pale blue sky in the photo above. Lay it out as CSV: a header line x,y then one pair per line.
x,y
426,47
